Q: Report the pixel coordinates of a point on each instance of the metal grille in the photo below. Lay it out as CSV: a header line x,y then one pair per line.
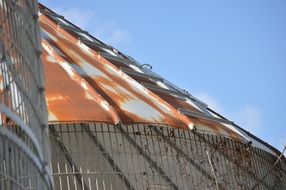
x,y
104,156
23,123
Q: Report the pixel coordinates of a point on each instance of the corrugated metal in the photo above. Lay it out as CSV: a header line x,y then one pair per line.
x,y
89,81
132,102
84,86
108,116
72,98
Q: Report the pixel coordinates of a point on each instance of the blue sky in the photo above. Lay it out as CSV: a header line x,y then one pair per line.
x,y
230,54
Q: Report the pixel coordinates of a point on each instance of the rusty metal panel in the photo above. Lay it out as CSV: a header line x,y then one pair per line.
x,y
90,81
131,101
72,98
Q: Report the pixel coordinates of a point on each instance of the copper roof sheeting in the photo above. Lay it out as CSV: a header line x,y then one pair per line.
x,y
87,80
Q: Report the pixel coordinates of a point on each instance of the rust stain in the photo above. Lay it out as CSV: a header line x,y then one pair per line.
x,y
129,101
66,97
116,88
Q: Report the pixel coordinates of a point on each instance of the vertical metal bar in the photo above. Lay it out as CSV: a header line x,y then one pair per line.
x,y
153,145
112,153
75,178
60,177
183,162
82,182
147,147
141,142
67,173
124,145
167,149
103,183
209,159
89,182
132,156
183,168
7,164
170,134
259,169
161,151
140,174
192,175
16,167
121,175
2,161
111,188
92,127
229,154
105,153
223,168
98,131
222,144
76,134
193,152
242,151
96,184
174,154
203,159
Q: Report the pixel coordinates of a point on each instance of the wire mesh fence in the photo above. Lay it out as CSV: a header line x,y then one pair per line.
x,y
103,156
23,123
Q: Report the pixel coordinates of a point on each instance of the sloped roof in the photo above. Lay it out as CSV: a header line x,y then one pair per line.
x,y
89,81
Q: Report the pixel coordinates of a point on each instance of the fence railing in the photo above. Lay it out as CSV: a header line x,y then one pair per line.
x,y
104,156
24,146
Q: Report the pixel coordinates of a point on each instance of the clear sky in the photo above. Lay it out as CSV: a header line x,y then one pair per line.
x,y
230,54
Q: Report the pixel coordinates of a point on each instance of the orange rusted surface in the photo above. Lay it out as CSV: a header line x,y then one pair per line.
x,y
81,85
131,101
69,97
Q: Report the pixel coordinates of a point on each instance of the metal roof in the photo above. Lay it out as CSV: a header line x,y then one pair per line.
x,y
87,80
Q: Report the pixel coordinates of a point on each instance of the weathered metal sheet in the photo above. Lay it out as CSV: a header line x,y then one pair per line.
x,y
131,101
81,84
69,97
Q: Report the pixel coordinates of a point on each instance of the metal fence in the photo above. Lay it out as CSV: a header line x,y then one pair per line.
x,y
104,156
24,151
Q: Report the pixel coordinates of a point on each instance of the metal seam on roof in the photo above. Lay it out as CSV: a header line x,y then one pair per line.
x,y
129,83
80,54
